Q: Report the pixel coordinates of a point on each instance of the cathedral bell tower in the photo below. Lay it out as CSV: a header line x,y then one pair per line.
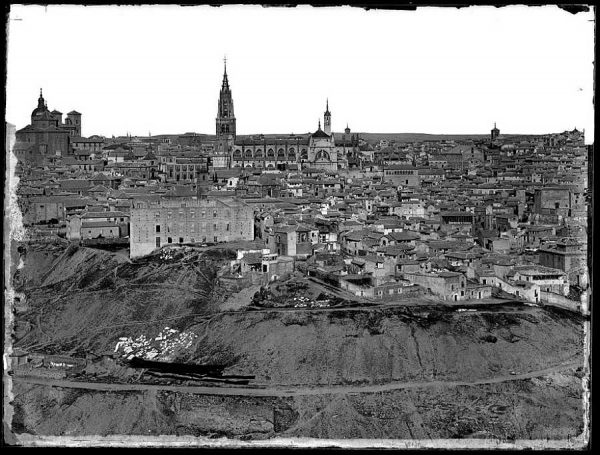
x,y
225,117
225,125
327,119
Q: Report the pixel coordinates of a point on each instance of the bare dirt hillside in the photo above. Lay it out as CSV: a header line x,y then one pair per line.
x,y
538,408
394,344
87,299
82,300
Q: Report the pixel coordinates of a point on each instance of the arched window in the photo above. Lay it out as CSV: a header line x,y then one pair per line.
x,y
304,154
322,155
258,153
270,153
248,153
237,154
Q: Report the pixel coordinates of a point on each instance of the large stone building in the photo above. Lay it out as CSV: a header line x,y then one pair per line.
x,y
401,175
176,169
558,200
568,255
321,149
47,135
179,220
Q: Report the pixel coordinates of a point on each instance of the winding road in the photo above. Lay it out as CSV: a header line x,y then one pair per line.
x,y
286,391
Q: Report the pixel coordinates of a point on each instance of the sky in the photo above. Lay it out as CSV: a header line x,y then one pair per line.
x,y
157,69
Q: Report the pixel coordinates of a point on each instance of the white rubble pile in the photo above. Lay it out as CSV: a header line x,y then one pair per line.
x,y
161,348
166,254
303,302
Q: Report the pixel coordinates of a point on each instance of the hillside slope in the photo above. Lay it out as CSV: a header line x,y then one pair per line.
x,y
88,299
548,408
84,299
396,344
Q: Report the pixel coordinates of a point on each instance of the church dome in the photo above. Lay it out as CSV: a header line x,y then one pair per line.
x,y
45,115
41,107
38,111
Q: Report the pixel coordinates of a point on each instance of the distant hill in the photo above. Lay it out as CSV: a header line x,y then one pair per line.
x,y
375,137
417,137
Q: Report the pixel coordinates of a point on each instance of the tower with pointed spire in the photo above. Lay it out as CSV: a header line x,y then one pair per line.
x,y
327,119
225,124
495,132
316,150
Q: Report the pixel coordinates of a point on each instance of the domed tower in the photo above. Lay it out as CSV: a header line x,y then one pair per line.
x,y
37,113
41,117
327,119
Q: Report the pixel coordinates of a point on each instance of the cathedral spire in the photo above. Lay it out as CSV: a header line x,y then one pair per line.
x,y
225,80
225,116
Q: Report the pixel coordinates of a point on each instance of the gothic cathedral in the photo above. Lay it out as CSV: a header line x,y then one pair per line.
x,y
316,150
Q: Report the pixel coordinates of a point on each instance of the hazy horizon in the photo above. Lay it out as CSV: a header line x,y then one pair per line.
x,y
437,71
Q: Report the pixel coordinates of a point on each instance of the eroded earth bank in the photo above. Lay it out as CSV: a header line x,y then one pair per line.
x,y
424,371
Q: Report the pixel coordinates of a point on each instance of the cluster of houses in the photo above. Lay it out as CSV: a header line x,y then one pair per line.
x,y
458,220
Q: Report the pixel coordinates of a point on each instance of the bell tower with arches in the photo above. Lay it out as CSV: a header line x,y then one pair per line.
x,y
225,124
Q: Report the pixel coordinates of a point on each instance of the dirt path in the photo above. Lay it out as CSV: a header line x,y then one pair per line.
x,y
240,299
288,391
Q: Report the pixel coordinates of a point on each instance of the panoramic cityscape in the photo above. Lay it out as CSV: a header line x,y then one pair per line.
x,y
335,285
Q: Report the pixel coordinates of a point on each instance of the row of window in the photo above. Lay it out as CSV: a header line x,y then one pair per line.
x,y
179,177
182,167
192,227
181,240
399,172
193,213
280,156
270,151
110,231
390,291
